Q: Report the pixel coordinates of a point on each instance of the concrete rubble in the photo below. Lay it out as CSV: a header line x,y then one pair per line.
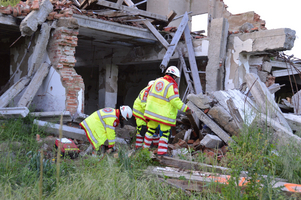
x,y
76,57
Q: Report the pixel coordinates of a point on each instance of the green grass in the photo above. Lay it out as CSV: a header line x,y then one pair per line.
x,y
10,2
124,178
83,178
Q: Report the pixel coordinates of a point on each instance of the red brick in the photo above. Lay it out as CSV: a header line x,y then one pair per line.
x,y
15,12
35,5
57,16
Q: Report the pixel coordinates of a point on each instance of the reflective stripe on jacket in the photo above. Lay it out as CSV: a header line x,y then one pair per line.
x,y
100,126
163,102
140,103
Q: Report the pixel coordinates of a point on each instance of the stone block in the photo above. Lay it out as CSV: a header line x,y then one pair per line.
x,y
211,141
224,119
262,76
200,100
266,66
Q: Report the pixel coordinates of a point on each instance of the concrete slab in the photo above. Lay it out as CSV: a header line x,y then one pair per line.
x,y
13,112
242,46
69,132
102,30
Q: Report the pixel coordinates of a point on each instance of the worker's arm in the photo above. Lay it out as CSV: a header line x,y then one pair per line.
x,y
175,100
111,134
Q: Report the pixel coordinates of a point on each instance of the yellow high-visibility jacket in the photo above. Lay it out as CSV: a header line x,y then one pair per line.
x,y
140,103
100,126
163,102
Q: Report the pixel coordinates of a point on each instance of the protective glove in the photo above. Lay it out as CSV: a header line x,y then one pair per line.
x,y
188,111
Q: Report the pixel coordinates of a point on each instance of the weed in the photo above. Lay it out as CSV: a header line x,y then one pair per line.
x,y
8,2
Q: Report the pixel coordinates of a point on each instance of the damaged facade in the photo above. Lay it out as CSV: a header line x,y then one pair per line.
x,y
77,57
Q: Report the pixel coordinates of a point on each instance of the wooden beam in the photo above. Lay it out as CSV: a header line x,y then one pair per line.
x,y
284,65
286,72
34,86
156,33
13,91
192,61
133,11
183,65
190,165
210,123
174,42
220,178
150,27
171,15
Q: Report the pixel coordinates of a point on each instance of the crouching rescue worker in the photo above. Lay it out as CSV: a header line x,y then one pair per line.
x,y
100,125
138,112
162,107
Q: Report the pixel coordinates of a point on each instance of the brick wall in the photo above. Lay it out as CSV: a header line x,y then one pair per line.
x,y
61,51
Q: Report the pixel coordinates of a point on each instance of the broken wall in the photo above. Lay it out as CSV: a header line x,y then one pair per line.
x,y
242,45
61,50
20,58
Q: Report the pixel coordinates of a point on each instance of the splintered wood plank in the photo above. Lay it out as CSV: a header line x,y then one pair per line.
x,y
155,32
150,27
210,123
192,61
13,91
34,85
174,42
133,11
287,72
190,165
219,178
187,78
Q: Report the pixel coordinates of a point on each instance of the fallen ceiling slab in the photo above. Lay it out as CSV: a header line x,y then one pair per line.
x,y
106,33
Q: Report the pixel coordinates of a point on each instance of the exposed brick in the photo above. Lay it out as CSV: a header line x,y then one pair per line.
x,y
15,12
35,5
57,16
254,29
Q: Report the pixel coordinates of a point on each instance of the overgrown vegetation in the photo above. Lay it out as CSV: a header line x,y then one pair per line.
x,y
124,178
9,2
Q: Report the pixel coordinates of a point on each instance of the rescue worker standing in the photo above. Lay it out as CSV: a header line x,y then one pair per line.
x,y
100,125
162,107
138,112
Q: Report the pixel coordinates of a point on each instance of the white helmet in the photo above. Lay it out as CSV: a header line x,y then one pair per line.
x,y
173,70
126,112
150,82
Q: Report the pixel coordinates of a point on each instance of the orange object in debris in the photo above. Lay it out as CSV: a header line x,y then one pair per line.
x,y
206,110
190,141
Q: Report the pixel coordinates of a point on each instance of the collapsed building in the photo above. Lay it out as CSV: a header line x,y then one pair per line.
x,y
74,57
70,58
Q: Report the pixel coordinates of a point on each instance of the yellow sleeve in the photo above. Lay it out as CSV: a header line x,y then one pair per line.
x,y
111,135
175,100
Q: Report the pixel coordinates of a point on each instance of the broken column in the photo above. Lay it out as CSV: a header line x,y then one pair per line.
x,y
39,49
61,51
216,54
108,85
36,17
